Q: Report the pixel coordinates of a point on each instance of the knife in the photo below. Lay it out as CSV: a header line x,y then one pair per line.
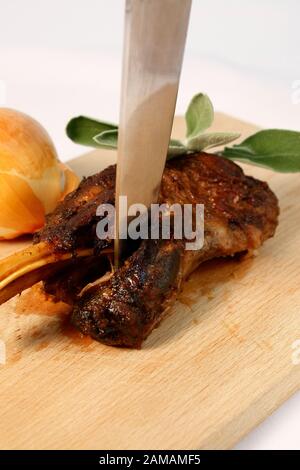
x,y
154,41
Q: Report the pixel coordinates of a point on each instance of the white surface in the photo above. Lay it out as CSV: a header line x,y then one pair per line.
x,y
63,58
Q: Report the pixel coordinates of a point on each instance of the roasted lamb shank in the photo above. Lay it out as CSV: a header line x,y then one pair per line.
x,y
122,308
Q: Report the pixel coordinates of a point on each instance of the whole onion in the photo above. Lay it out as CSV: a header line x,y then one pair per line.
x,y
32,179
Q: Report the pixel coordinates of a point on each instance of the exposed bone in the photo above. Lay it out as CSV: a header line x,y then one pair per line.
x,y
24,268
99,281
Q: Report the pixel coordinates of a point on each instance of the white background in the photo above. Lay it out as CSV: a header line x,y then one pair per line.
x,y
60,58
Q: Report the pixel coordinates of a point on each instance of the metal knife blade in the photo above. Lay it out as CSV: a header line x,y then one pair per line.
x,y
155,34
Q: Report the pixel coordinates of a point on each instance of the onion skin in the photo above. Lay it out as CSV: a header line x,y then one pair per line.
x,y
32,179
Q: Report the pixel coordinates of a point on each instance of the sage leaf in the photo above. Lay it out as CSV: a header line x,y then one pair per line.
x,y
176,148
82,130
100,134
107,139
199,115
277,149
211,139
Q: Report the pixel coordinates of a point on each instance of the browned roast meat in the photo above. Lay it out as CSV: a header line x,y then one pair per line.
x,y
126,308
240,213
230,198
67,282
73,223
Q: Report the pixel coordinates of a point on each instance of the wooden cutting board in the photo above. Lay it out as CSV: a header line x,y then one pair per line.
x,y
214,369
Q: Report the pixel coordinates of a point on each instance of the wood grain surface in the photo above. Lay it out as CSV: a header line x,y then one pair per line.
x,y
215,368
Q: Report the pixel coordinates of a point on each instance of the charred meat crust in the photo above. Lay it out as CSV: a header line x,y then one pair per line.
x,y
123,310
240,213
232,199
72,278
73,223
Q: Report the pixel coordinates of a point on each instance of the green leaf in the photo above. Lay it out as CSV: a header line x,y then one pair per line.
x,y
211,139
199,115
107,139
82,130
277,149
176,148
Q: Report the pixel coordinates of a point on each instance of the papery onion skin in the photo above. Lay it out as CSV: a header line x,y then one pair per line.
x,y
71,180
25,146
31,175
22,211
